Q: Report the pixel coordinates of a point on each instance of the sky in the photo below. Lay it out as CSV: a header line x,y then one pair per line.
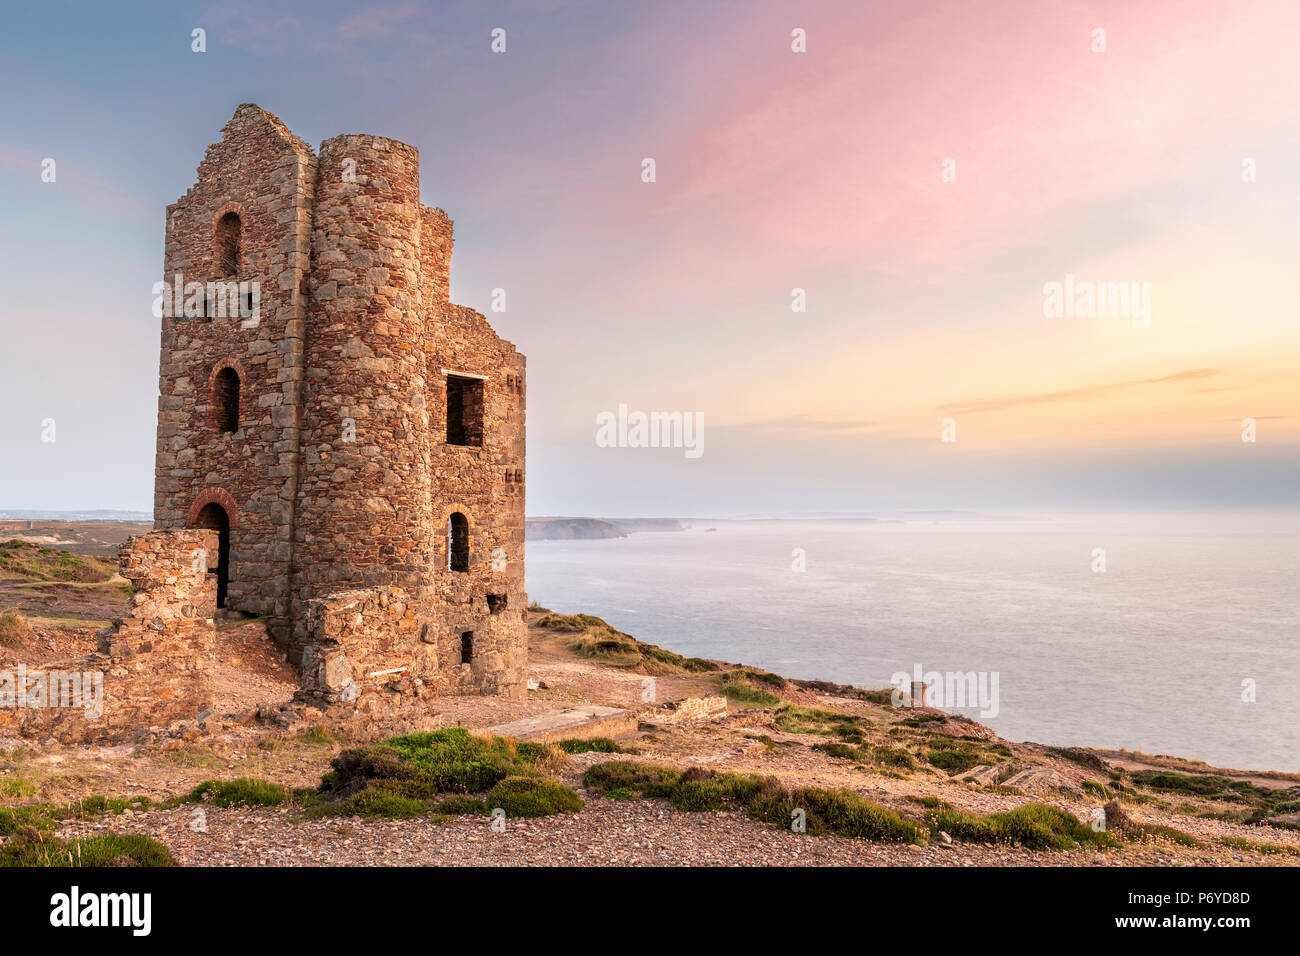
x,y
923,172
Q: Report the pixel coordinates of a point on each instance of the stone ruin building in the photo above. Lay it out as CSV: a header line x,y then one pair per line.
x,y
359,442
340,448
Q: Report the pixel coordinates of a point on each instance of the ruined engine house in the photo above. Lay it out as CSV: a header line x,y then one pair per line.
x,y
354,438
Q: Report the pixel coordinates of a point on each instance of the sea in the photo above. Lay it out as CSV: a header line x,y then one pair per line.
x,y
1168,633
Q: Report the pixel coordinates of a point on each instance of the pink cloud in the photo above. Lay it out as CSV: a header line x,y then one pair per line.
x,y
837,152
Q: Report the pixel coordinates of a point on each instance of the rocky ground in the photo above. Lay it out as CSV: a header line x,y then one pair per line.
x,y
769,727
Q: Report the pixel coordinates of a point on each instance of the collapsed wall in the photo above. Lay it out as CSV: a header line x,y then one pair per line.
x,y
153,667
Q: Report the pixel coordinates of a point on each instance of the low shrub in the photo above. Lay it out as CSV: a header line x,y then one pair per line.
x,y
1036,826
244,792
106,849
532,797
14,629
601,745
764,798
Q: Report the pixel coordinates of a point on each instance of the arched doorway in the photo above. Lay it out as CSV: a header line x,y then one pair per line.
x,y
213,517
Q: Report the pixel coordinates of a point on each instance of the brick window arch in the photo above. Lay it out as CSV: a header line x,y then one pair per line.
x,y
226,394
213,496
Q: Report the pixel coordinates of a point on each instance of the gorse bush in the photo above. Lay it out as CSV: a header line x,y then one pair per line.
x,y
843,812
1036,826
532,797
434,772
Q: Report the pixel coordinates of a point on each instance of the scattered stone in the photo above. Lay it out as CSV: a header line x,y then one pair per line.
x,y
1043,780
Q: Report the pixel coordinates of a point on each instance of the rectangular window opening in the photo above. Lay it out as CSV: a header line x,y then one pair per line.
x,y
496,603
467,647
464,411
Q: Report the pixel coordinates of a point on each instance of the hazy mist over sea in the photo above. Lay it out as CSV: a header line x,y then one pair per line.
x,y
1150,654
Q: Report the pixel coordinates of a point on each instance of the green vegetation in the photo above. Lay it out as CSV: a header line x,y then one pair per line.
x,y
794,719
921,719
532,797
244,792
1157,831
739,687
630,777
597,639
763,798
458,804
851,730
14,786
34,562
1120,823
1097,789
602,745
375,803
1251,803
45,816
100,850
954,756
15,819
952,760
1035,826
1083,758
88,807
842,812
1201,785
434,772
1272,849
931,803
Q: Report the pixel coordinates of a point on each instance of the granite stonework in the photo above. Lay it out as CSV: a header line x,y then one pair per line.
x,y
371,416
153,667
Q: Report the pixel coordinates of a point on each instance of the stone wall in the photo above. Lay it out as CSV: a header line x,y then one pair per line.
x,y
340,477
366,641
387,640
267,176
153,667
363,505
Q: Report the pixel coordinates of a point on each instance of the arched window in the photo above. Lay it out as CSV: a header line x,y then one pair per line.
x,y
225,393
229,237
458,543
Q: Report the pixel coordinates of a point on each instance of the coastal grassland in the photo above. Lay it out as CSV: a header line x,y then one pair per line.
x,y
1034,826
843,812
28,840
32,562
591,637
53,586
1209,795
903,745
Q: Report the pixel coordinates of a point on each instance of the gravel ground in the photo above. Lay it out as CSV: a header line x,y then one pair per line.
x,y
605,833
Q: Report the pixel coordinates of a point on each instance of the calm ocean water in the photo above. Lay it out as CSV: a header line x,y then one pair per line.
x,y
1149,655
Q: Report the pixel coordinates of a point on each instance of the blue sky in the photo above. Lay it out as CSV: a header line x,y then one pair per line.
x,y
776,170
